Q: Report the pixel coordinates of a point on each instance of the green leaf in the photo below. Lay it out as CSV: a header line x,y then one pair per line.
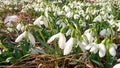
x,y
98,63
2,46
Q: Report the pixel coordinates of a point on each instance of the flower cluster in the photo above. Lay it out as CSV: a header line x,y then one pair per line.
x,y
89,20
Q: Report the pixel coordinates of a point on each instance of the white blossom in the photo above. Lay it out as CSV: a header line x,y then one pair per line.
x,y
107,32
117,65
41,21
118,25
10,19
103,32
69,14
89,36
31,38
19,26
68,32
102,50
76,16
112,49
68,46
66,8
89,46
82,45
94,48
53,38
61,41
28,34
20,37
10,29
97,19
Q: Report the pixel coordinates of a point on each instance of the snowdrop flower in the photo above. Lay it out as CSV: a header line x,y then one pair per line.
x,y
95,12
10,19
93,47
87,10
82,45
103,32
112,49
39,0
83,24
76,16
60,23
41,21
28,34
111,22
102,50
117,65
66,8
61,41
60,13
107,32
10,29
69,14
20,37
68,32
20,27
89,46
97,19
87,17
68,46
118,60
89,36
31,38
118,25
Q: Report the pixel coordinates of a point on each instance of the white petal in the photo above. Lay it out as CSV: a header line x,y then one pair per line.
x,y
68,32
61,41
10,19
89,46
52,38
45,23
117,66
10,29
103,32
20,37
114,45
102,50
22,28
112,51
19,26
68,46
82,46
94,49
89,37
31,38
41,21
36,22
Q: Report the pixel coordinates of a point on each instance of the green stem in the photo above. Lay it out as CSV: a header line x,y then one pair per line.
x,y
41,35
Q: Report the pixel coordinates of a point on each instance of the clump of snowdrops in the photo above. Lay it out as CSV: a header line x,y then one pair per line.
x,y
90,27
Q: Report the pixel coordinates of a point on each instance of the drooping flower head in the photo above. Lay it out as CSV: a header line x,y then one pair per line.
x,y
68,46
41,21
61,41
23,35
112,49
